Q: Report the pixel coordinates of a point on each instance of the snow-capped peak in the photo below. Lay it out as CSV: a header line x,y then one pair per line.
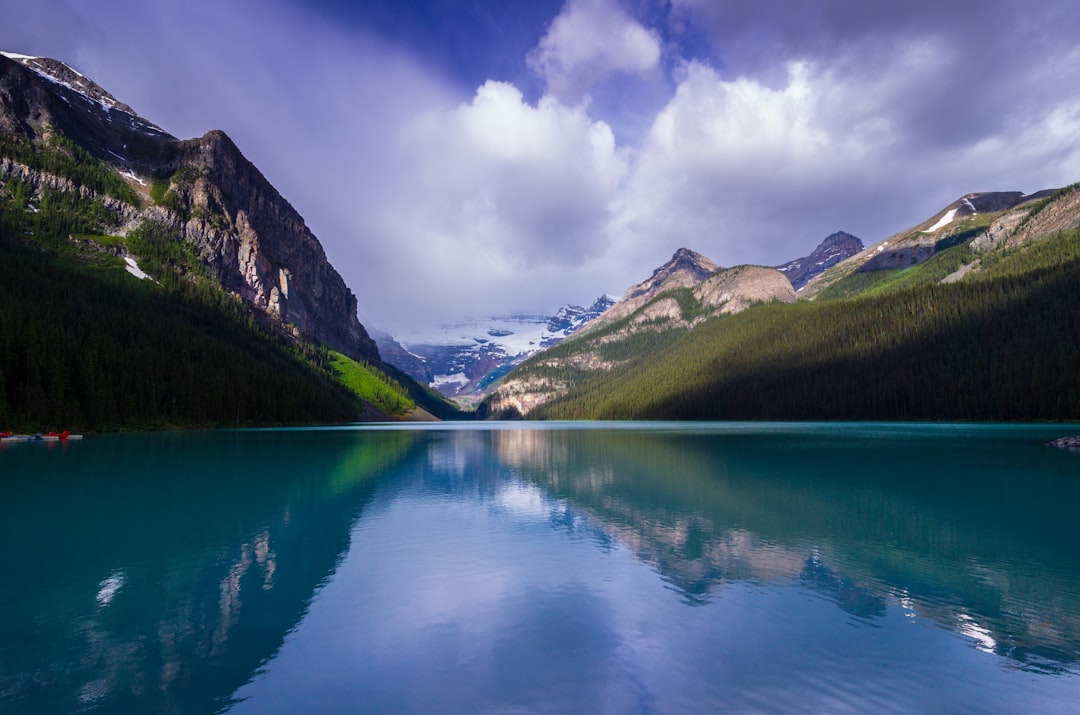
x,y
463,358
63,75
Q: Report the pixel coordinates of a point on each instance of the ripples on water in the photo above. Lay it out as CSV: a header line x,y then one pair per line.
x,y
615,568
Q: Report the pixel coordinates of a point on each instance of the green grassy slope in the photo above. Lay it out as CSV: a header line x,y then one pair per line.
x,y
372,385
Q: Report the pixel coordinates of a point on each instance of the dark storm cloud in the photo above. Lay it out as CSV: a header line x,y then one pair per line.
x,y
988,54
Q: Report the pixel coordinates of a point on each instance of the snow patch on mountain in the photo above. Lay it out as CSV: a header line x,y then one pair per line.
x,y
943,221
132,267
455,379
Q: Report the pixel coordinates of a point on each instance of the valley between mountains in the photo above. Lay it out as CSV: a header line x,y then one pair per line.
x,y
148,281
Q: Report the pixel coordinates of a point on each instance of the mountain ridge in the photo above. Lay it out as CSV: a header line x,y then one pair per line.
x,y
674,299
685,269
961,220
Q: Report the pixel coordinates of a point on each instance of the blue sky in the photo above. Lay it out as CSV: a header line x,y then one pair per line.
x,y
467,158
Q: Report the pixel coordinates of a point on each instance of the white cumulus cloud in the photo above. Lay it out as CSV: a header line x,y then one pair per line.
x,y
506,192
589,40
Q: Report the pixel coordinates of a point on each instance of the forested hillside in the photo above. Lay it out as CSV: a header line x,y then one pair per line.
x,y
85,344
911,343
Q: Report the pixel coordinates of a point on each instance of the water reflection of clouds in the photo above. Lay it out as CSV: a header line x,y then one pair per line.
x,y
480,603
109,587
465,614
524,500
682,504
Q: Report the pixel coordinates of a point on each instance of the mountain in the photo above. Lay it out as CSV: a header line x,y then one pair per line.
x,y
685,269
463,360
829,252
973,318
571,318
153,282
973,216
680,295
203,191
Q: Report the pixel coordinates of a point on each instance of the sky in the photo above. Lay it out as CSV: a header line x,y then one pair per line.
x,y
461,159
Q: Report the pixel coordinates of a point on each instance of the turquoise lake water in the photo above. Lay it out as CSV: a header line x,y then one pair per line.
x,y
551,568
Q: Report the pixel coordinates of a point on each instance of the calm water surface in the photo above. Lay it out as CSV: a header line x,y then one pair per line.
x,y
552,568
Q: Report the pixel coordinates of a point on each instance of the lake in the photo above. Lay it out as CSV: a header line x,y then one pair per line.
x,y
543,568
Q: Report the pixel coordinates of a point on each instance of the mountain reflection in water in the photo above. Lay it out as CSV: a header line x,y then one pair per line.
x,y
542,568
155,573
970,533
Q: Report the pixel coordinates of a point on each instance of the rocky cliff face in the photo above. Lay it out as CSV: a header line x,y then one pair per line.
x,y
832,250
245,233
256,244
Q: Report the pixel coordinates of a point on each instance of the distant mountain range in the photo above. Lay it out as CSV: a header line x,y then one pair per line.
x,y
463,359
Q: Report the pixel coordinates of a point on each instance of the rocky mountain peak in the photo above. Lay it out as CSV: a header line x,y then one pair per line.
x,y
692,263
835,248
686,269
840,238
40,97
571,318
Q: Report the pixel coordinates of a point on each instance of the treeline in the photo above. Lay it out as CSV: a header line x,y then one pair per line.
x,y
62,157
1002,345
96,351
